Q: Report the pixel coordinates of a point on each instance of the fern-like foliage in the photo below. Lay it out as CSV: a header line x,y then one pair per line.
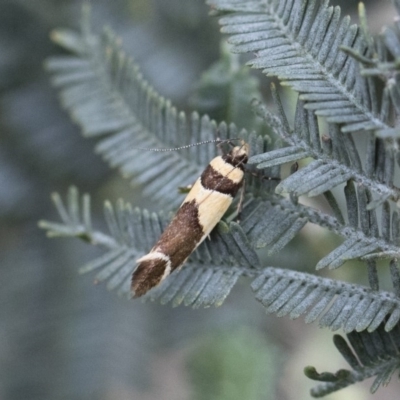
x,y
337,161
300,43
336,158
335,304
369,355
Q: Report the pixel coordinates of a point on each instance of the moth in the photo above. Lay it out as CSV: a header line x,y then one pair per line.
x,y
202,209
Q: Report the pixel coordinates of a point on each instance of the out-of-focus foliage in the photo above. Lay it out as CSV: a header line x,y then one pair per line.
x,y
235,365
225,91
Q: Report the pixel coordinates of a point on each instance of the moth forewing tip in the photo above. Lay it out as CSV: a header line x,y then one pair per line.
x,y
152,269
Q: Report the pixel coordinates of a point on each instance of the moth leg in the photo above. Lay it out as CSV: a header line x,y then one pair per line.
x,y
185,189
263,177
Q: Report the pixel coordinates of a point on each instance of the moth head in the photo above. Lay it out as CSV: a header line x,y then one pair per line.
x,y
239,154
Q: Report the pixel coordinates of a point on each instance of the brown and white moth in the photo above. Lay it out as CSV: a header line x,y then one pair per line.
x,y
202,209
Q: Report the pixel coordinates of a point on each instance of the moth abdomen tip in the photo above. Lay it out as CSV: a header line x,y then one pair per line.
x,y
152,269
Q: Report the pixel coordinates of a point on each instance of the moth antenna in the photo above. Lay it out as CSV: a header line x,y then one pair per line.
x,y
218,141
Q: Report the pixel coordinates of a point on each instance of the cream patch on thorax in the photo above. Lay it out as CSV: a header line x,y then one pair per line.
x,y
227,170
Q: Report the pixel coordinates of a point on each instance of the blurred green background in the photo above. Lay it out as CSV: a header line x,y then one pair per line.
x,y
60,336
